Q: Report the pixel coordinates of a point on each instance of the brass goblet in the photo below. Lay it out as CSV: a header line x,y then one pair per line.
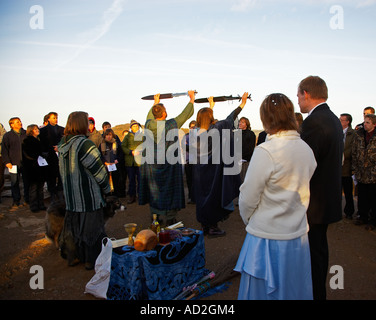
x,y
130,228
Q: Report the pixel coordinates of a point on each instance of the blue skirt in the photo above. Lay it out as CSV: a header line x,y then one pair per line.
x,y
275,269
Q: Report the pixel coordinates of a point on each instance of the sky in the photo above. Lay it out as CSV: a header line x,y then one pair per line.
x,y
102,56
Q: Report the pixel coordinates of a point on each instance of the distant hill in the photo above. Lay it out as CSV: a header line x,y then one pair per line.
x,y
119,129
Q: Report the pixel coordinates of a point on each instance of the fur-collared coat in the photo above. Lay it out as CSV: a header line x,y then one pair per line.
x,y
364,157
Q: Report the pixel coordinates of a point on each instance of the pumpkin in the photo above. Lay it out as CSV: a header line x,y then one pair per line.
x,y
145,240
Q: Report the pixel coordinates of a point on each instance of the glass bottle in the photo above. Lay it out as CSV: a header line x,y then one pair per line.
x,y
155,227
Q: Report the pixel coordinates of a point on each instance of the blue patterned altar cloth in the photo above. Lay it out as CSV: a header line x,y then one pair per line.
x,y
159,274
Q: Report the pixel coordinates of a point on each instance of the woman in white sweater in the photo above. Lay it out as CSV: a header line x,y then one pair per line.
x,y
275,258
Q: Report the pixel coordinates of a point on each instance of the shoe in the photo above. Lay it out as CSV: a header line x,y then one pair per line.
x,y
14,207
215,232
74,262
370,227
34,210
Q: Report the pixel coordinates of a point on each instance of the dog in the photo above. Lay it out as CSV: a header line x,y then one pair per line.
x,y
112,204
55,215
54,220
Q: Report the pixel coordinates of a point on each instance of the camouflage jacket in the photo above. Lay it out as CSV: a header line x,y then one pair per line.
x,y
364,157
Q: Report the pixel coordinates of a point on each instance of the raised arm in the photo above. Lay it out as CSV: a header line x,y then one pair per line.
x,y
150,115
236,112
188,110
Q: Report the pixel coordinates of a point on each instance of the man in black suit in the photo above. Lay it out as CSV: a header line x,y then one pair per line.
x,y
322,131
50,136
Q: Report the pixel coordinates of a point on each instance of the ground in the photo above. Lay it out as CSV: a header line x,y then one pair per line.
x,y
23,245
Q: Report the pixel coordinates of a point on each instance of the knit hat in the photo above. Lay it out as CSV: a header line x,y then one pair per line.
x,y
134,122
91,119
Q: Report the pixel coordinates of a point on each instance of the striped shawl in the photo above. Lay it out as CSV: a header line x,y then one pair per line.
x,y
83,174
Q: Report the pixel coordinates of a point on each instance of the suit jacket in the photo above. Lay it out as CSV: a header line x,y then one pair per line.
x,y
322,131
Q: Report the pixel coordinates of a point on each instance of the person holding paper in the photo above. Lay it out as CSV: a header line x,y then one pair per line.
x,y
31,151
50,136
111,152
12,155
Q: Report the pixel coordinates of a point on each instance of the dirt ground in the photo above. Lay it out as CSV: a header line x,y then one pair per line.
x,y
23,245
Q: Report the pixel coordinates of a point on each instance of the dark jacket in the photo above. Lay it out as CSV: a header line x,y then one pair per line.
x,y
322,131
12,147
347,153
213,190
248,144
50,136
31,150
110,151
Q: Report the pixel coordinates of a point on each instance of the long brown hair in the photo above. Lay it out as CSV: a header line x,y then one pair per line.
x,y
277,113
30,128
205,118
247,123
77,124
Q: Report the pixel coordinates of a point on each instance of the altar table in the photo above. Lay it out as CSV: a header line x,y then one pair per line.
x,y
159,274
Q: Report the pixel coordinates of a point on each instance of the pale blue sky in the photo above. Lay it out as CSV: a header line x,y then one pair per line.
x,y
102,56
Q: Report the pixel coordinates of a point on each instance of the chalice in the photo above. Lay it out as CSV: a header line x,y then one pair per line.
x,y
130,228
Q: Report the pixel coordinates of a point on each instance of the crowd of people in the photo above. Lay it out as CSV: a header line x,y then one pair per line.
x,y
289,185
